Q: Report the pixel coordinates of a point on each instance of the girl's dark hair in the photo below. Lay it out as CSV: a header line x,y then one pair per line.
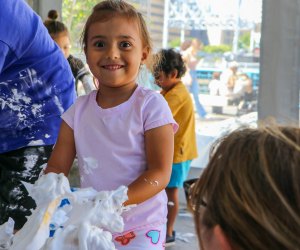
x,y
169,60
55,28
53,14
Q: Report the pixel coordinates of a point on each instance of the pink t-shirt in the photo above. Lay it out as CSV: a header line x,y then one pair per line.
x,y
111,149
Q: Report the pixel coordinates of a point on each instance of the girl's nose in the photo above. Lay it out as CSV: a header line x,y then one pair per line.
x,y
113,52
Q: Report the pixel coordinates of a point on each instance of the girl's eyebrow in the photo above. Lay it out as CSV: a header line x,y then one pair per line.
x,y
119,37
127,37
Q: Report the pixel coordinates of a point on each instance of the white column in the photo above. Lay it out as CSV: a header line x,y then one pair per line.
x,y
166,25
280,61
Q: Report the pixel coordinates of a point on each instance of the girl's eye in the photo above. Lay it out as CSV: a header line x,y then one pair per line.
x,y
125,44
99,44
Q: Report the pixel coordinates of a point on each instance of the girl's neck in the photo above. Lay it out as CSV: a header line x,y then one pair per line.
x,y
109,97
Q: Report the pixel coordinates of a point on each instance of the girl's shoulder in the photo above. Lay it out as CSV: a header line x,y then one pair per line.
x,y
83,100
148,95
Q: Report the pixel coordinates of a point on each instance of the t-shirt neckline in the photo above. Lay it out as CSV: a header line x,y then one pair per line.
x,y
119,108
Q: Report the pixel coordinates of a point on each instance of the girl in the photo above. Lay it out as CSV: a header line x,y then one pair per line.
x,y
122,133
60,34
168,72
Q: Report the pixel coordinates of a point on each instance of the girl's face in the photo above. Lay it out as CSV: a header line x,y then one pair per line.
x,y
114,51
63,41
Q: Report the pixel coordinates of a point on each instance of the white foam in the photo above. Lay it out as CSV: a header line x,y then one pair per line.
x,y
86,221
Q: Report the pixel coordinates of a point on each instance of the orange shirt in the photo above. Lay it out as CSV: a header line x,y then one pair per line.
x,y
181,105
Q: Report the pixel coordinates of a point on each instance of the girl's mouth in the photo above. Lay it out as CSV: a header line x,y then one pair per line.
x,y
112,67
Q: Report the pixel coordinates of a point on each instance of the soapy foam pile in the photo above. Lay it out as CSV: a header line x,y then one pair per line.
x,y
83,219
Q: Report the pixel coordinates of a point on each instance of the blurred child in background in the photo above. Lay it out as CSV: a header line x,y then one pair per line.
x,y
60,34
168,72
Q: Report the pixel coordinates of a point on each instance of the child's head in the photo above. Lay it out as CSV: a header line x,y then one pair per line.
x,y
102,33
196,44
216,75
185,45
249,194
169,68
59,32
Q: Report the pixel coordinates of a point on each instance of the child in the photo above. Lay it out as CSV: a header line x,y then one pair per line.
x,y
123,134
215,84
168,73
60,34
248,197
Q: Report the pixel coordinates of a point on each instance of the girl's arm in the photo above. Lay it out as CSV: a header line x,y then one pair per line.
x,y
159,146
64,151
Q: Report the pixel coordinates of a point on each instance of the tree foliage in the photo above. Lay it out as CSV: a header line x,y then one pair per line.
x,y
217,48
175,43
74,15
244,40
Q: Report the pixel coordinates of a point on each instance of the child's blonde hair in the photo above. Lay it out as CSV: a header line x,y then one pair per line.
x,y
251,188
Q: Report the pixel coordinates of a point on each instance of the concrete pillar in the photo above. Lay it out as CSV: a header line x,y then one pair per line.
x,y
280,61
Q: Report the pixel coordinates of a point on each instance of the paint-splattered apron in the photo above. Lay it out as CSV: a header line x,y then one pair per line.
x,y
25,165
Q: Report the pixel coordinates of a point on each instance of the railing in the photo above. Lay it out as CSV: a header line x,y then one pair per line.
x,y
204,76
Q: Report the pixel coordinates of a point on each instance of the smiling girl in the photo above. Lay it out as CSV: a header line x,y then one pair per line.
x,y
125,130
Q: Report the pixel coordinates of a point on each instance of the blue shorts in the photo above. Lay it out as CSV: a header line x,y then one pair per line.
x,y
179,174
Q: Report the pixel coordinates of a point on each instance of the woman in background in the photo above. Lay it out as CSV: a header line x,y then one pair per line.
x,y
191,59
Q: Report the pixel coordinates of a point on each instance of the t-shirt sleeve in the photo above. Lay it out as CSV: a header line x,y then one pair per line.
x,y
157,113
69,116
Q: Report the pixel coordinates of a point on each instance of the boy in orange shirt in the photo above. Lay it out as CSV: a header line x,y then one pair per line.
x,y
168,72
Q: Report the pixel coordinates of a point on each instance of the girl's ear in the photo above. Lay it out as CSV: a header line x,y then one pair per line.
x,y
145,54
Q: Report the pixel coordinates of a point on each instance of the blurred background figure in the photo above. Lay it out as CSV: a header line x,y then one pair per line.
x,y
168,72
60,34
189,51
242,86
244,90
229,76
215,84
